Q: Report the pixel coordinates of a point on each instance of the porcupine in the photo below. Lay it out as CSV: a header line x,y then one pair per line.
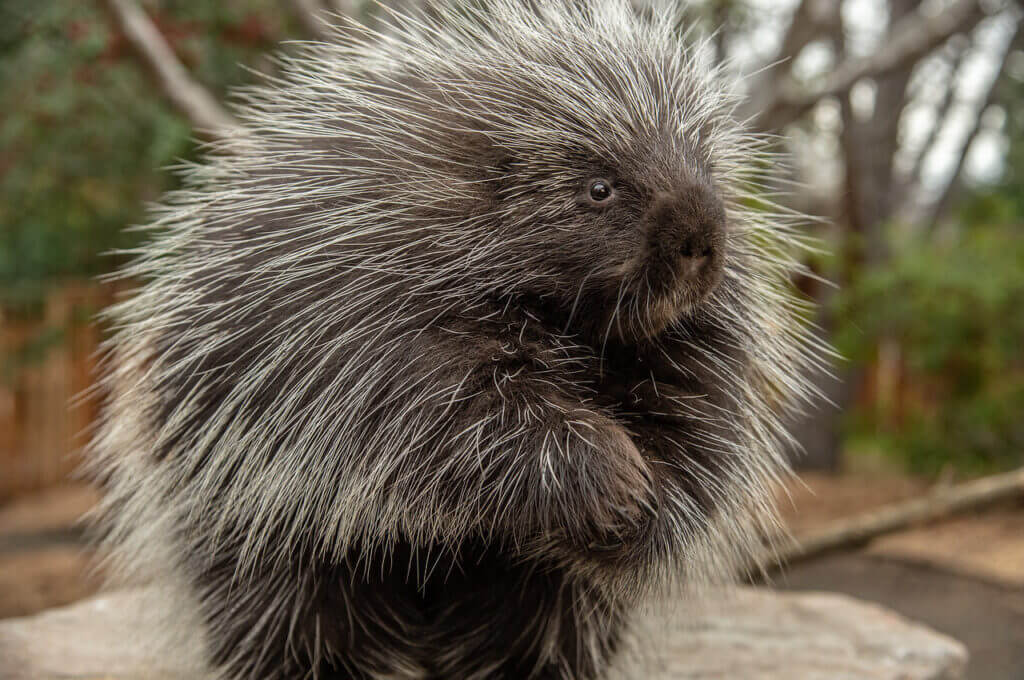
x,y
470,343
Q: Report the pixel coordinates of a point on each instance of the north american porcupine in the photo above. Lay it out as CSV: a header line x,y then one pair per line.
x,y
468,344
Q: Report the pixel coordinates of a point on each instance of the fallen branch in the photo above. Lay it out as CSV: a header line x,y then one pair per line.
x,y
205,113
19,542
856,531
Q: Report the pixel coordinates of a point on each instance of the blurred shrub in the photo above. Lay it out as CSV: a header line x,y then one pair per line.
x,y
941,328
85,136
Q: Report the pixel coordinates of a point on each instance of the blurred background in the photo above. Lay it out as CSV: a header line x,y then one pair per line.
x,y
904,120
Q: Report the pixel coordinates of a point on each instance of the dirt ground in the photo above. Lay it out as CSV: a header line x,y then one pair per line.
x,y
963,577
42,560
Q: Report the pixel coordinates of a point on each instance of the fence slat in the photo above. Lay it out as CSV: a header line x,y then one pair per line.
x,y
42,426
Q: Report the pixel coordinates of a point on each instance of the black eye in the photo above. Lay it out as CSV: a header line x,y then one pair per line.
x,y
600,190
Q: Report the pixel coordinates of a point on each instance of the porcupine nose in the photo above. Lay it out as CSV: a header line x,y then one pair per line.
x,y
689,225
695,253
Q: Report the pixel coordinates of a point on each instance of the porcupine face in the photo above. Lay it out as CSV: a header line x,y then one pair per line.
x,y
604,185
654,248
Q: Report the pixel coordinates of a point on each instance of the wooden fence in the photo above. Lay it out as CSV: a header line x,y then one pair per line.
x,y
47,360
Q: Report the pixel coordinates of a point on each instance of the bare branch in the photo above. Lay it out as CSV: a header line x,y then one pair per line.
x,y
314,17
188,96
941,114
802,28
873,144
941,204
810,19
348,8
719,16
911,39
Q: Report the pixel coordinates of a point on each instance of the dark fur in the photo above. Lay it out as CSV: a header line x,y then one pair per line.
x,y
539,563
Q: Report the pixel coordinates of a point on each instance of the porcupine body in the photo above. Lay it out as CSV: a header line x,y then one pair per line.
x,y
464,347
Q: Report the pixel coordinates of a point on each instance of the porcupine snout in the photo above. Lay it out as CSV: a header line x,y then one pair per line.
x,y
686,238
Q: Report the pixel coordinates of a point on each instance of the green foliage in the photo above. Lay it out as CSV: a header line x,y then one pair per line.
x,y
85,136
953,307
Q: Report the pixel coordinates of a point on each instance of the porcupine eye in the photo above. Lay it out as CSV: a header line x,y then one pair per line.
x,y
600,190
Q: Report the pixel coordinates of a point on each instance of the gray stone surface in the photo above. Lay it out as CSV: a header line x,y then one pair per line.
x,y
746,634
760,634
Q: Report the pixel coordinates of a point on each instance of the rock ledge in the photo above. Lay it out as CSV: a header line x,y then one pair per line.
x,y
745,634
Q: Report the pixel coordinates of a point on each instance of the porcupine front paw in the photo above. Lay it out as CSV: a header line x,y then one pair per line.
x,y
614,502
